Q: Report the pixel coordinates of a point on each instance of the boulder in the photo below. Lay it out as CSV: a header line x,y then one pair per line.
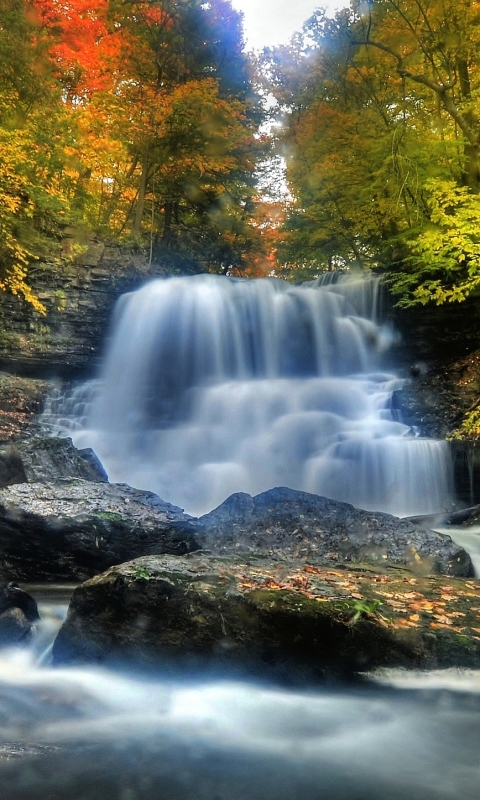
x,y
286,619
72,529
42,459
11,596
18,612
309,526
14,627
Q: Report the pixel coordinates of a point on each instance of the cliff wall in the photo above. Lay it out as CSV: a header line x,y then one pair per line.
x,y
79,297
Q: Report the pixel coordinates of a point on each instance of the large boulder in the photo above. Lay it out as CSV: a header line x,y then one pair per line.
x,y
285,618
72,529
309,526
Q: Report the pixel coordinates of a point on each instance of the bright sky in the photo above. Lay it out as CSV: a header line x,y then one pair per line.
x,y
270,22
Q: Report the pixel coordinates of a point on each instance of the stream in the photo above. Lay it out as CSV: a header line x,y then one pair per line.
x,y
86,733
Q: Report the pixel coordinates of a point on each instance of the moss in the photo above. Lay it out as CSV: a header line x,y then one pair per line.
x,y
294,602
109,516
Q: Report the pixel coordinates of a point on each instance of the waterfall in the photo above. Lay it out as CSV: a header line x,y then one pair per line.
x,y
213,385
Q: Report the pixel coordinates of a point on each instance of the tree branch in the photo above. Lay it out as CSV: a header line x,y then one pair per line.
x,y
440,89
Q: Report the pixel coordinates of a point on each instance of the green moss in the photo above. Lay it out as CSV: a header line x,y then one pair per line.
x,y
109,516
291,601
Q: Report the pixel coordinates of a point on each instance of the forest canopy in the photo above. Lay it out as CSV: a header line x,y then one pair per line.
x,y
145,123
136,119
381,136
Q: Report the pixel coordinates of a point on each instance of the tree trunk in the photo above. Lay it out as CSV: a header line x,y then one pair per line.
x,y
167,224
471,151
142,188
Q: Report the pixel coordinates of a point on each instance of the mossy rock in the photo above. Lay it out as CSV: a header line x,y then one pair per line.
x,y
281,617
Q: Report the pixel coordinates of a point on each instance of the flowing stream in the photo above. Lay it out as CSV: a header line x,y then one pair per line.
x,y
213,385
90,733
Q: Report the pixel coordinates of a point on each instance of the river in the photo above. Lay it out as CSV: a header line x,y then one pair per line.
x,y
87,733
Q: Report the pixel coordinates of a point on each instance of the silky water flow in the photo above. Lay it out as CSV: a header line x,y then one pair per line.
x,y
214,385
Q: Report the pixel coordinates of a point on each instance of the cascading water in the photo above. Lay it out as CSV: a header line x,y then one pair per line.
x,y
214,385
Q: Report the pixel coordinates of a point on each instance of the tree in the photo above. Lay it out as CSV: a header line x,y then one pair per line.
x,y
33,134
380,102
137,119
166,121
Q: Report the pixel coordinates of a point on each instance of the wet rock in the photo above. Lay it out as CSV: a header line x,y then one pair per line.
x,y
72,529
14,627
11,596
43,459
266,616
306,525
18,612
47,458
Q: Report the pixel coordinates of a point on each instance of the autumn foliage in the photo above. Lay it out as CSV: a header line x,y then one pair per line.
x,y
136,120
381,134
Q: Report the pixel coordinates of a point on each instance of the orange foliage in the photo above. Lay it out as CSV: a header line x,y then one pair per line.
x,y
84,48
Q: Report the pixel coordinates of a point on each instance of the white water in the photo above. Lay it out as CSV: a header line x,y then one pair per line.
x,y
468,537
131,738
213,386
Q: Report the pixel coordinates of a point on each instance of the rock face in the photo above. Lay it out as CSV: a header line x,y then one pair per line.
x,y
79,298
284,618
306,526
20,400
73,529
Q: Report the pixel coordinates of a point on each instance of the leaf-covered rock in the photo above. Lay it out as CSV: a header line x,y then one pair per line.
x,y
270,616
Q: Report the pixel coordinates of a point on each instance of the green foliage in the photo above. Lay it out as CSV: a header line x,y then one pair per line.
x,y
444,261
365,608
381,136
141,573
469,429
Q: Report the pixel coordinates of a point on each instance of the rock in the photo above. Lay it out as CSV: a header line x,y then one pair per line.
x,y
18,612
73,529
42,459
11,596
14,627
79,300
46,458
307,525
281,618
20,400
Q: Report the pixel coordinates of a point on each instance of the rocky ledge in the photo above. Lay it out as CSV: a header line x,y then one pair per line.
x,y
293,620
309,526
74,528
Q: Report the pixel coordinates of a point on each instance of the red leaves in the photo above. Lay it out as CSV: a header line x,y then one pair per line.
x,y
84,47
